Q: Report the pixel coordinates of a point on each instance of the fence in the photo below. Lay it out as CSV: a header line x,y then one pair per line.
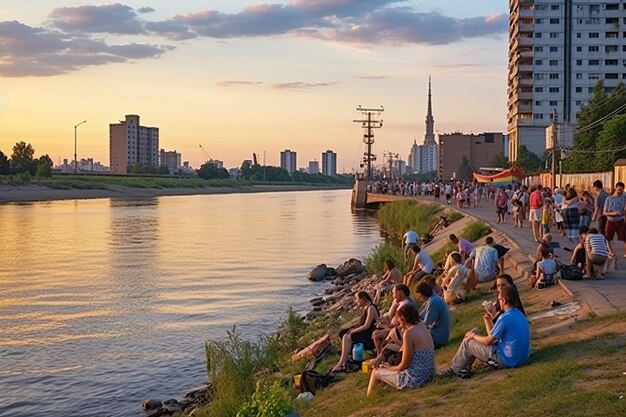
x,y
578,181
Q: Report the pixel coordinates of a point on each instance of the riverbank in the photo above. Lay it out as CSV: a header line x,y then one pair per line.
x,y
32,192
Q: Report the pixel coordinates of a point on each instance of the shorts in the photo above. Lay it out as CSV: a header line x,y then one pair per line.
x,y
602,225
535,215
612,227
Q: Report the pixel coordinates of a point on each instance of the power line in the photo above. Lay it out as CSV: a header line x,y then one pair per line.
x,y
600,120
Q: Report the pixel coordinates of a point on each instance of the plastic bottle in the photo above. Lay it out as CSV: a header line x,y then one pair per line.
x,y
357,352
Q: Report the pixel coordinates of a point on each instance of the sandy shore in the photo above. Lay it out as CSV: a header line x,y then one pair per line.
x,y
29,193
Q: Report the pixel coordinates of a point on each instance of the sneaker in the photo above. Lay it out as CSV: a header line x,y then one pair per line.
x,y
493,364
448,372
464,373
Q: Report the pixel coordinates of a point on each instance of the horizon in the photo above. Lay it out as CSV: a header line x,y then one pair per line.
x,y
240,77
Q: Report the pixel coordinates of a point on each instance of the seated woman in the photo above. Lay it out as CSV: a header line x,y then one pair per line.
x,y
455,280
597,252
494,309
546,270
579,254
392,277
418,355
361,333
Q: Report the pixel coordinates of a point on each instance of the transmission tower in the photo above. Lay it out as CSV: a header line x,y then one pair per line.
x,y
369,123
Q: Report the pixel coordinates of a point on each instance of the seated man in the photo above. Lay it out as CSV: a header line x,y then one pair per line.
x,y
409,239
506,345
501,252
465,247
483,266
579,255
434,313
422,266
455,280
386,322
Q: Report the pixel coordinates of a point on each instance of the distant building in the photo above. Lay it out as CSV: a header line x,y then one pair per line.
x,y
423,158
171,160
329,163
478,149
415,158
84,165
288,160
314,167
130,143
399,168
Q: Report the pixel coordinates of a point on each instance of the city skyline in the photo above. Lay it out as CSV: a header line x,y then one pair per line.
x,y
204,77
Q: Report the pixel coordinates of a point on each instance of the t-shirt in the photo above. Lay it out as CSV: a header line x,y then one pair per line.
x,y
485,259
500,249
436,316
536,200
615,203
466,246
424,262
513,334
600,200
411,238
546,215
596,243
548,266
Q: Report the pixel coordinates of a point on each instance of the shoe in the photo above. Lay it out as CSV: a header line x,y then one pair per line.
x,y
448,372
493,364
464,374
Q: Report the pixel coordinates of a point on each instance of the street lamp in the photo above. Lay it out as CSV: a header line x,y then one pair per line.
x,y
75,161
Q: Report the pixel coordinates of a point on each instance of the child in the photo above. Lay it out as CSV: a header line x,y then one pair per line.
x,y
517,213
546,215
558,218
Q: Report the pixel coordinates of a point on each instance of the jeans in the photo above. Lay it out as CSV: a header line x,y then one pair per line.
x,y
469,351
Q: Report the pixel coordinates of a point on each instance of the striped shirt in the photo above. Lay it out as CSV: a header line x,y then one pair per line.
x,y
596,244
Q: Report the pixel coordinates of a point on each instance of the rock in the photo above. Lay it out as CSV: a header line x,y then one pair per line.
x,y
161,411
332,271
172,406
151,404
318,273
317,301
351,266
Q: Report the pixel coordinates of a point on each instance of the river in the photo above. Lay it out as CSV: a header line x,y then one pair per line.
x,y
106,302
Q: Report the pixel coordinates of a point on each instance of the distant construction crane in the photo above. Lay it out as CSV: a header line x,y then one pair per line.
x,y
206,155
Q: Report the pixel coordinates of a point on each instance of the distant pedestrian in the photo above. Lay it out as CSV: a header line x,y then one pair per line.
x,y
614,212
571,215
598,212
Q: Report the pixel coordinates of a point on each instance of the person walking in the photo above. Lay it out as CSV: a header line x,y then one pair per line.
x,y
536,205
614,212
598,212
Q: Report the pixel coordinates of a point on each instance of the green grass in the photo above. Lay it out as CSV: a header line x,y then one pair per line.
x,y
397,217
388,249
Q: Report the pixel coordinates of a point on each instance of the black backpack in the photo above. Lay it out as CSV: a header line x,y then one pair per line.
x,y
311,381
571,272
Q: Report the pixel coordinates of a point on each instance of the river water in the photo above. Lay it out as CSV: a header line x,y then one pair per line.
x,y
106,302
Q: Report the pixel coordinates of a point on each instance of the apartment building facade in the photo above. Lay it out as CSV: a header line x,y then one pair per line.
x,y
558,51
329,163
479,149
130,143
288,160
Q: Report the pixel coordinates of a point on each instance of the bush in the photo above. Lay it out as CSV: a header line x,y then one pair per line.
x,y
397,217
375,261
475,230
268,401
44,171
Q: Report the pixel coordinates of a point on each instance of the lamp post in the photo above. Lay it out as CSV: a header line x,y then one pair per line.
x,y
75,161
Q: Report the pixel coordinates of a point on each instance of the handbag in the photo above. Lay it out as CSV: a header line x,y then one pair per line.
x,y
571,272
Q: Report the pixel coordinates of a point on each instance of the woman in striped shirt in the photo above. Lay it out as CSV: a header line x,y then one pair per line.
x,y
598,251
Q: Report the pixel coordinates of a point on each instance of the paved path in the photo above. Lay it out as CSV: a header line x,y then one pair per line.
x,y
603,297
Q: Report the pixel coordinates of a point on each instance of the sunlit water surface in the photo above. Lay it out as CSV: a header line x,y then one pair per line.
x,y
105,302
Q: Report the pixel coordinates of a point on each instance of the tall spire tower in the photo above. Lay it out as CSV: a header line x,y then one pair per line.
x,y
429,137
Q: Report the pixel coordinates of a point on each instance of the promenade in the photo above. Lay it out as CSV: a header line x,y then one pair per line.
x,y
603,297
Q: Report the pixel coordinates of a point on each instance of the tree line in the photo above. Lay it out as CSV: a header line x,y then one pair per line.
x,y
22,161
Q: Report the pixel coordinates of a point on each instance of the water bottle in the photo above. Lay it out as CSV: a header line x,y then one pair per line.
x,y
357,352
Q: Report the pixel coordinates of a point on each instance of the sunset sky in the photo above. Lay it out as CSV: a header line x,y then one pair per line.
x,y
242,76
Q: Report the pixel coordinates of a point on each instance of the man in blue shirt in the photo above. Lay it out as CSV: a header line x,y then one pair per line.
x,y
506,345
434,313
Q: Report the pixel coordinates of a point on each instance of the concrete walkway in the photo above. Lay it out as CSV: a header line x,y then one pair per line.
x,y
603,297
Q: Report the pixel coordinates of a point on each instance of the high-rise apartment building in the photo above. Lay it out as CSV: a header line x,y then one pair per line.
x,y
329,163
415,158
288,160
558,51
171,160
314,167
130,143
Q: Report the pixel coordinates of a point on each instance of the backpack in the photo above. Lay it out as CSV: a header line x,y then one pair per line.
x,y
571,272
311,381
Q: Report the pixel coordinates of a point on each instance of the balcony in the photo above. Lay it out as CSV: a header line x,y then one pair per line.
x,y
526,27
526,13
525,41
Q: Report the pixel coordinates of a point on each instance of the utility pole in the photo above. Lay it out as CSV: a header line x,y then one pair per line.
x,y
555,135
369,123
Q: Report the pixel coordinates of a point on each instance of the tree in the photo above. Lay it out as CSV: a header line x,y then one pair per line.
x,y
44,170
499,161
5,166
611,136
529,162
211,171
22,158
465,170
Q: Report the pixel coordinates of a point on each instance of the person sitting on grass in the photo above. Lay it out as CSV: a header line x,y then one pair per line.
x,y
391,277
501,252
465,246
422,266
432,282
482,265
417,366
435,314
506,345
455,280
546,270
495,309
358,334
388,321
597,252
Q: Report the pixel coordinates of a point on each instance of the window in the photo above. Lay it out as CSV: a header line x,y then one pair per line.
x,y
554,49
579,62
489,138
538,103
553,102
611,48
611,76
579,35
579,76
554,35
612,20
594,76
579,49
541,7
594,7
554,76
538,35
553,89
594,48
554,21
538,89
539,62
579,89
539,76
554,62
624,76
610,62
579,102
593,35
611,35
538,116
538,21
540,48
594,62
613,6
554,7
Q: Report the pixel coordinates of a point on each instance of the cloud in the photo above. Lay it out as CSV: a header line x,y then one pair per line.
x,y
300,85
34,51
144,10
113,18
372,77
231,83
